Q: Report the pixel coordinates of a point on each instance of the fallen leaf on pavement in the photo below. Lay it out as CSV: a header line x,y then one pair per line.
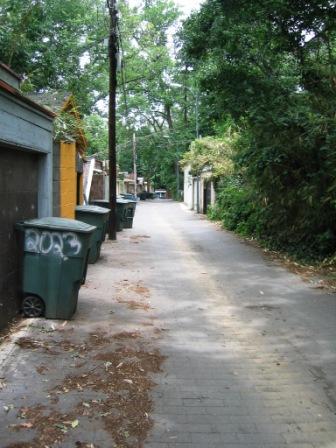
x,y
75,423
8,408
84,445
26,425
107,365
61,426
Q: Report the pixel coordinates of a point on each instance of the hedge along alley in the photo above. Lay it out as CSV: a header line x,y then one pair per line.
x,y
184,337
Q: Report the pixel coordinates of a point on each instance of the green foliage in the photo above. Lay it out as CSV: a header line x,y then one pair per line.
x,y
65,127
270,65
59,45
96,132
46,40
147,95
234,206
212,153
155,100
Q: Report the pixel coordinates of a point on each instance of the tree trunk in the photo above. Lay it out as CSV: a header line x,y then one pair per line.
x,y
169,116
185,108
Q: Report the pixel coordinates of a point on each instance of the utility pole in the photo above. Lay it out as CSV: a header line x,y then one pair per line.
x,y
135,164
197,114
185,108
177,175
113,50
198,183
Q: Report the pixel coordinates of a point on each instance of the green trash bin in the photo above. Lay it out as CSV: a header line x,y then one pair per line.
x,y
129,213
55,257
123,205
98,217
120,211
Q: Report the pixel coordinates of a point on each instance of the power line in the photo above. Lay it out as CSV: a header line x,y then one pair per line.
x,y
158,145
164,131
122,71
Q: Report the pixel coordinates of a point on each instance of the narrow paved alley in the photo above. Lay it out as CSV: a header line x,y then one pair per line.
x,y
251,348
241,351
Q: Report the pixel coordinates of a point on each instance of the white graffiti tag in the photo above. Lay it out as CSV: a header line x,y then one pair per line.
x,y
32,239
73,242
52,243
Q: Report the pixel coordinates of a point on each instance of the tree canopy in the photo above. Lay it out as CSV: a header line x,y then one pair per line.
x,y
214,154
270,67
59,45
46,40
266,68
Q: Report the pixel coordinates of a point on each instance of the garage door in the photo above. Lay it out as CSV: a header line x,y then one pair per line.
x,y
18,200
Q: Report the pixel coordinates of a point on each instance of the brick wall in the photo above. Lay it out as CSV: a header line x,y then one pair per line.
x,y
97,187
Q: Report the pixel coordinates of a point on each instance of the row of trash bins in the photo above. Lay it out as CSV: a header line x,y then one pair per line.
x,y
56,253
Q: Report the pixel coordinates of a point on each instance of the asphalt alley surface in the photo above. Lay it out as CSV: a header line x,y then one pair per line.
x,y
251,347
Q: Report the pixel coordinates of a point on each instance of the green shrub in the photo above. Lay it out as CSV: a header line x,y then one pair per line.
x,y
234,206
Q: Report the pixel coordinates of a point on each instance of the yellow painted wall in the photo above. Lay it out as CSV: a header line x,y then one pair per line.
x,y
68,180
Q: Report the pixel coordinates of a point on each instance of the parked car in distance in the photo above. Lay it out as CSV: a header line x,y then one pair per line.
x,y
129,196
161,194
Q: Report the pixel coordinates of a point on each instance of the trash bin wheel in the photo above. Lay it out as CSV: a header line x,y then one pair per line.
x,y
33,306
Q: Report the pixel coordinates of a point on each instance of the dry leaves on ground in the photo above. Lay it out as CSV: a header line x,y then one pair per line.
x,y
119,368
135,305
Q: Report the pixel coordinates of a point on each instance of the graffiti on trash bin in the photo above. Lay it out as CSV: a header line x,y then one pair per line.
x,y
56,243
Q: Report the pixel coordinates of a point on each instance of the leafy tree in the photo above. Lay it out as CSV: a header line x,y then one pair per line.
x,y
152,94
147,64
270,65
96,131
59,45
48,41
213,153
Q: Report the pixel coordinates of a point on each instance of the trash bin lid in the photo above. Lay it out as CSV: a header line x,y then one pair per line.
x,y
128,197
92,209
126,201
59,224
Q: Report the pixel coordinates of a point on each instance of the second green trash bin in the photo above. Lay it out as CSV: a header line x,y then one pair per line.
x,y
98,217
129,213
120,211
55,256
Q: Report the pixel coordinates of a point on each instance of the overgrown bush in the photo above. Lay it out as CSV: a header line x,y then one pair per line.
x,y
234,206
270,66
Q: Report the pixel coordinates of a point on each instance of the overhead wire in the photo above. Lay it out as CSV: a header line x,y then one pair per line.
x,y
160,145
124,90
122,70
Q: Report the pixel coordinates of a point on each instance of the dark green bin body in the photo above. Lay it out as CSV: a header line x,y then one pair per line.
x,y
120,211
129,213
55,257
98,217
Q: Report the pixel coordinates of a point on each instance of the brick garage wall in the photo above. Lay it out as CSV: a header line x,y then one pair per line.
x,y
18,201
97,187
